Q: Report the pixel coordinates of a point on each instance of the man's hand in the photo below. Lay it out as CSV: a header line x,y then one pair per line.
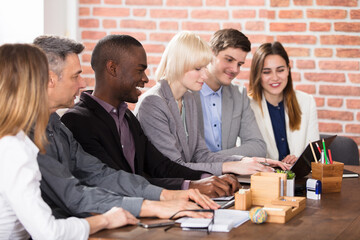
x,y
191,194
166,209
224,185
246,166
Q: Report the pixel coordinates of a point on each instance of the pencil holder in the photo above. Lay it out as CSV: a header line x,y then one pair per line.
x,y
243,199
330,175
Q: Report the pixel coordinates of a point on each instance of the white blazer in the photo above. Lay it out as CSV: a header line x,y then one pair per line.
x,y
297,140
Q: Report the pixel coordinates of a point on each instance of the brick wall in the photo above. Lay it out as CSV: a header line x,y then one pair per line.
x,y
321,37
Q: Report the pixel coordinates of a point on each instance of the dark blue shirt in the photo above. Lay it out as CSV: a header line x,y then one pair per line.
x,y
277,116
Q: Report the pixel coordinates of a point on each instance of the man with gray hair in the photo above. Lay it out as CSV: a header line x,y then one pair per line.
x,y
78,184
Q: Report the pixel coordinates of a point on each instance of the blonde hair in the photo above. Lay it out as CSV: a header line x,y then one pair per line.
x,y
256,90
24,79
185,51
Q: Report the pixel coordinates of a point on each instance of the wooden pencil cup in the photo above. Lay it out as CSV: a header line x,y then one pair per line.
x,y
243,199
330,175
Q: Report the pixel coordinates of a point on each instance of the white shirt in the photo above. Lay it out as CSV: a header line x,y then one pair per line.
x,y
22,210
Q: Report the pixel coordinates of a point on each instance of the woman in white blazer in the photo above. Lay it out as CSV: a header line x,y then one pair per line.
x,y
168,114
287,118
24,77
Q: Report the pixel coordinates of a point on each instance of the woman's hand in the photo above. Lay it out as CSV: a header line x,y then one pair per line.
x,y
290,159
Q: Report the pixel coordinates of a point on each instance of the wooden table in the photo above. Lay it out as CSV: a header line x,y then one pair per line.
x,y
335,216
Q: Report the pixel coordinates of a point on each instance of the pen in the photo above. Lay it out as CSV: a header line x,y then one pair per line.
x,y
331,161
312,150
323,142
317,145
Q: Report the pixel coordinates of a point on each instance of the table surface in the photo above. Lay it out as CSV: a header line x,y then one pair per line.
x,y
335,216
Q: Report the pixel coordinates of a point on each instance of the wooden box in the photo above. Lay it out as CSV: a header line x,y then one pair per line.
x,y
330,175
283,209
243,199
266,186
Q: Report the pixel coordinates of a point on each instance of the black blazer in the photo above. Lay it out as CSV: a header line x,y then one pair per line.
x,y
96,131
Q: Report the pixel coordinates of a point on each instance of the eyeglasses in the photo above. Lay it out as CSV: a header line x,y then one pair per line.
x,y
208,227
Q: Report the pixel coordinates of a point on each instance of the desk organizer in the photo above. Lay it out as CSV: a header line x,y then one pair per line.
x,y
330,175
283,209
243,199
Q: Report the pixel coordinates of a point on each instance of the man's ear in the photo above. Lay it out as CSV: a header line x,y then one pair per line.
x,y
53,79
111,68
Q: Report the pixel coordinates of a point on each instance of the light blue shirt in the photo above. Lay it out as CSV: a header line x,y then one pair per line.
x,y
211,107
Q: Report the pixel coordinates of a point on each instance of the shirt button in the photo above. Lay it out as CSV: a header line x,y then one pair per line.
x,y
214,125
213,104
282,139
218,145
278,108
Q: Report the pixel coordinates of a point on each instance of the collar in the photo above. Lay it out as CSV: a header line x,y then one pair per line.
x,y
206,90
120,110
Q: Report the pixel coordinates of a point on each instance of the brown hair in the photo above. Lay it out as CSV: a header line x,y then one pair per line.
x,y
229,37
24,77
256,90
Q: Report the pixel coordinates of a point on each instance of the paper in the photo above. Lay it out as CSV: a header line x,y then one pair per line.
x,y
224,221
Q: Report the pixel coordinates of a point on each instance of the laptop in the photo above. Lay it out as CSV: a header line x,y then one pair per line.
x,y
302,166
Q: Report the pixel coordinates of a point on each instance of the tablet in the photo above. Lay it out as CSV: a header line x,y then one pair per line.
x,y
302,166
152,223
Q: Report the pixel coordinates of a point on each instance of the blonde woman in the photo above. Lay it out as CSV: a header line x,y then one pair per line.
x,y
287,118
168,114
24,111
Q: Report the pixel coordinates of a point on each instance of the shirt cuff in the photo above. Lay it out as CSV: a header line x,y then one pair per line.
x,y
205,175
185,185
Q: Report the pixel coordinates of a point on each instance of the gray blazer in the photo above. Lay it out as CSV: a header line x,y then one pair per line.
x,y
159,116
237,120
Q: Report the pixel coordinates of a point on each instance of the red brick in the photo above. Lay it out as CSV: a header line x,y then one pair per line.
x,y
140,36
305,64
151,83
154,48
323,52
244,75
298,52
330,127
168,13
335,115
353,103
347,27
108,23
340,40
246,3
95,35
259,39
303,39
335,102
113,2
215,2
85,58
89,46
358,116
255,26
352,128
355,14
183,3
296,77
354,77
89,1
310,89
143,2
84,11
209,14
291,14
87,70
161,37
138,24
244,14
325,77
345,3
234,25
200,26
111,12
90,82
303,2
264,13
154,60
348,53
287,27
139,12
205,37
279,3
339,65
339,90
320,27
89,23
320,102
326,14
169,25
